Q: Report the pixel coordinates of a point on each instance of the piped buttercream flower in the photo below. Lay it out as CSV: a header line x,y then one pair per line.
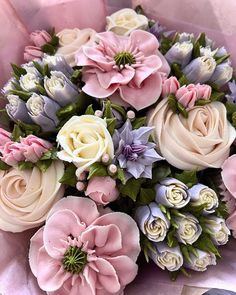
x,y
88,253
132,65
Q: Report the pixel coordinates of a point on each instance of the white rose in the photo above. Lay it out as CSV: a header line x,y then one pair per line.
x,y
71,40
201,262
166,257
29,81
180,53
190,143
126,20
152,222
220,232
172,193
84,140
189,229
27,196
201,194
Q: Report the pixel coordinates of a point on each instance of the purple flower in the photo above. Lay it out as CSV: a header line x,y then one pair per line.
x,y
232,96
42,111
157,30
57,63
16,109
134,153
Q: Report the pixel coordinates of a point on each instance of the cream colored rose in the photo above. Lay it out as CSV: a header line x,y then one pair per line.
x,y
202,140
27,196
201,262
220,232
71,40
126,20
84,140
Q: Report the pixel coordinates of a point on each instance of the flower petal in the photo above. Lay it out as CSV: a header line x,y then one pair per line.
x,y
146,42
114,77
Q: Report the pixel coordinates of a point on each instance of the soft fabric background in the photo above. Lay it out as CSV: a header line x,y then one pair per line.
x,y
18,18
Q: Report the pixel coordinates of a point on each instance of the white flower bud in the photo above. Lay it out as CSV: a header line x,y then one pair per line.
x,y
201,262
29,81
220,232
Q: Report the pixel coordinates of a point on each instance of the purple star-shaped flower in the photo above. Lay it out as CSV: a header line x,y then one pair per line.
x,y
134,153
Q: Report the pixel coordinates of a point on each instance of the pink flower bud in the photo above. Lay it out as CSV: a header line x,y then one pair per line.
x,y
170,86
34,148
5,137
39,38
187,96
12,153
32,53
203,91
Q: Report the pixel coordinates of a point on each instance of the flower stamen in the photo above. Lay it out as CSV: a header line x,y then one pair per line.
x,y
74,260
123,58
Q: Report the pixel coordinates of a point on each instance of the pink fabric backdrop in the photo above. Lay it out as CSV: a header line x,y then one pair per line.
x,y
19,17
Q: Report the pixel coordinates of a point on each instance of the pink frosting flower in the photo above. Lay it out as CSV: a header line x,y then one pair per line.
x,y
5,137
79,251
131,65
34,148
229,175
102,190
12,153
39,38
32,53
169,86
203,91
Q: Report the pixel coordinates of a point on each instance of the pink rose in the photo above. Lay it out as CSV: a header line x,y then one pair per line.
x,y
102,190
130,65
203,91
170,86
5,137
12,153
34,148
32,52
79,251
187,96
39,38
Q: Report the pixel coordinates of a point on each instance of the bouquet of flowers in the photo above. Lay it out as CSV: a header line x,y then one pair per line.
x,y
118,144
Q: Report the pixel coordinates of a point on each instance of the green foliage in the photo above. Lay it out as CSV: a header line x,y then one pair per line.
x,y
97,169
160,171
205,243
3,166
76,76
24,165
171,239
120,175
146,246
24,95
146,196
221,59
89,110
43,165
138,122
18,71
111,124
131,188
69,177
187,177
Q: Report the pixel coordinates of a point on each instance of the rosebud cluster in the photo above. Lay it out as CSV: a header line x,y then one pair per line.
x,y
182,226
38,90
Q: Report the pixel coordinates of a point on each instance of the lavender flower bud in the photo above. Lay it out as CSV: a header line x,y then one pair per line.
x,y
172,193
60,88
166,257
220,232
42,111
207,51
189,229
185,37
16,109
201,262
201,194
29,81
152,222
9,86
180,53
200,69
222,74
57,63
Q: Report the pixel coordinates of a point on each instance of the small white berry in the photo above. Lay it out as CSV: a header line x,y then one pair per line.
x,y
112,169
105,158
98,113
82,176
130,115
80,186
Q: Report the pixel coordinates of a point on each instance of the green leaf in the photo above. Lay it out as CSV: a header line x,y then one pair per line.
x,y
54,41
69,177
221,59
24,95
4,166
146,246
187,177
38,67
166,43
202,39
176,70
184,250
119,109
23,165
46,70
49,155
17,133
222,211
41,89
48,48
202,102
159,172
5,120
66,111
217,96
29,128
108,110
18,71
196,49
121,175
205,243
230,107
89,110
182,110
132,188
146,196
111,124
43,165
76,76
139,10
97,169
171,239
172,102
234,119
138,122
183,80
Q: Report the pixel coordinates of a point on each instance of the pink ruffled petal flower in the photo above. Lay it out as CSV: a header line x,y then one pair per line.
x,y
32,53
229,175
170,86
34,147
12,153
88,253
130,66
102,190
39,38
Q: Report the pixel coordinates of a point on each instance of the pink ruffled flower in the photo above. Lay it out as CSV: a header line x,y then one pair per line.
x,y
5,137
34,148
12,153
131,66
203,91
169,86
229,175
102,190
79,251
32,53
39,38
